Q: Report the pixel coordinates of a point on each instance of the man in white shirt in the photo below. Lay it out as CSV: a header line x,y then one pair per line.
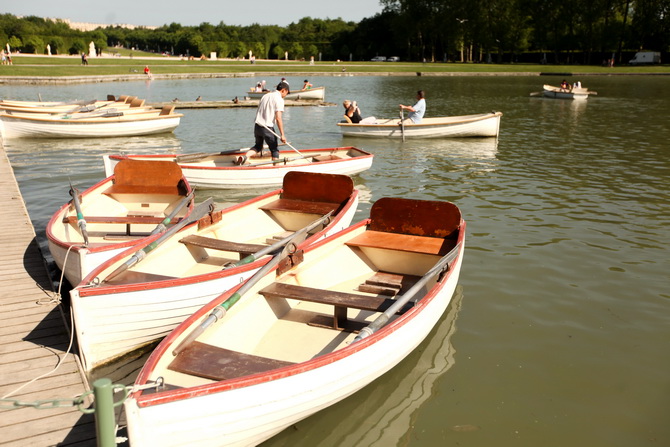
x,y
270,110
416,111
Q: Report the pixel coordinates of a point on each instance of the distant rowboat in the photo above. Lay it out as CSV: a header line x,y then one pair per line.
x,y
481,125
311,94
578,93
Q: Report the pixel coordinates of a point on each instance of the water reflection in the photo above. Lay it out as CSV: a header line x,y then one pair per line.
x,y
383,413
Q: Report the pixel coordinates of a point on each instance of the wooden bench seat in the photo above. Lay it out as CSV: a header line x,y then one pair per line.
x,y
125,220
211,362
218,244
301,206
403,242
340,300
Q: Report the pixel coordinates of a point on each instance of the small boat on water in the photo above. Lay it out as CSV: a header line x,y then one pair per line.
x,y
96,123
309,94
579,93
140,302
301,337
218,170
73,107
118,212
480,125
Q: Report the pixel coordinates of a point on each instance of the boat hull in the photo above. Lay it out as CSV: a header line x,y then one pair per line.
x,y
249,409
25,127
224,175
482,125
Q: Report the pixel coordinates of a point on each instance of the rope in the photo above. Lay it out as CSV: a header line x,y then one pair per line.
x,y
55,300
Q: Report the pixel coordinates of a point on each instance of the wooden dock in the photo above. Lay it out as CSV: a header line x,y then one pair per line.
x,y
34,338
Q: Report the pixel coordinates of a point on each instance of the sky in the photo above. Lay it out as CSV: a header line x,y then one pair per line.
x,y
194,12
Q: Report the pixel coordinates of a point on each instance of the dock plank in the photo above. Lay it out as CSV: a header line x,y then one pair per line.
x,y
33,337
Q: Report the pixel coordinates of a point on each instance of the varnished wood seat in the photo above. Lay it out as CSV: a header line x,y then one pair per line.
x,y
211,362
218,244
403,242
340,300
300,206
147,177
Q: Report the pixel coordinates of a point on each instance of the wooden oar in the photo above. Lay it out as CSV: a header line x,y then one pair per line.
x,y
281,243
402,125
441,266
187,158
220,311
80,216
139,255
536,94
279,161
287,143
163,225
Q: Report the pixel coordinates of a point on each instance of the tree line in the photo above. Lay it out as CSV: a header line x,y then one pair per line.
x,y
551,31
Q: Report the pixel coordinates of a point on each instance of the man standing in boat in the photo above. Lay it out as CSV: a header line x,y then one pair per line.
x,y
417,110
270,110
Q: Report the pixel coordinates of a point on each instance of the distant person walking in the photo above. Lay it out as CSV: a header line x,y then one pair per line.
x,y
270,111
84,59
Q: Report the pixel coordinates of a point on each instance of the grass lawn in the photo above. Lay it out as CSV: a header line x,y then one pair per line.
x,y
54,66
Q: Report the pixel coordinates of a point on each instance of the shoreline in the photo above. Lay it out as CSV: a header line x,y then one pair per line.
x,y
65,80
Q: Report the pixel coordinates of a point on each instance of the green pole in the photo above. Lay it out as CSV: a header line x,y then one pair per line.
x,y
104,413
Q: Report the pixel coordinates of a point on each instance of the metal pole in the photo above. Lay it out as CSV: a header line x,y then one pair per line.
x,y
104,413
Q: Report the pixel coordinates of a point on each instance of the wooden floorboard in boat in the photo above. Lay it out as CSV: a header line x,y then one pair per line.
x,y
33,338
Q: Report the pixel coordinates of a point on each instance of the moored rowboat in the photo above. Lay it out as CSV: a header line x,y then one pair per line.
x,y
219,170
120,124
119,212
281,353
148,299
480,125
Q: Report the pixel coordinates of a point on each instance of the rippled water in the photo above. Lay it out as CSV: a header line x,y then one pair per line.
x,y
560,330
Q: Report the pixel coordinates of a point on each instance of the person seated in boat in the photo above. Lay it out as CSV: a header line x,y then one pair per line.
x,y
565,85
259,87
352,114
307,85
416,111
263,86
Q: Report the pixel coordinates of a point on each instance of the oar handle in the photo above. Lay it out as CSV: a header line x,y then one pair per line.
x,y
81,221
381,320
163,225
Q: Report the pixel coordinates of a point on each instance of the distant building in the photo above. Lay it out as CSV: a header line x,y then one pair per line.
x,y
82,26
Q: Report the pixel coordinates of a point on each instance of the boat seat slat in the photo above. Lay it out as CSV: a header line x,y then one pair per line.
x,y
118,220
211,362
219,244
403,242
301,206
341,300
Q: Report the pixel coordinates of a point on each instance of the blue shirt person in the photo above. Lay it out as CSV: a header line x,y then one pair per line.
x,y
416,111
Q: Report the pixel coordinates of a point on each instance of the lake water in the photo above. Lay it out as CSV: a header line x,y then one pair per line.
x,y
559,332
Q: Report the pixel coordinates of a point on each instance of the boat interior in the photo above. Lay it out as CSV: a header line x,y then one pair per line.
x,y
319,305
226,236
286,158
142,194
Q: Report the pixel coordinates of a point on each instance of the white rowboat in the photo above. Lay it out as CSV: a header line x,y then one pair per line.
x,y
481,125
149,299
219,170
40,125
578,93
120,211
281,353
311,94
